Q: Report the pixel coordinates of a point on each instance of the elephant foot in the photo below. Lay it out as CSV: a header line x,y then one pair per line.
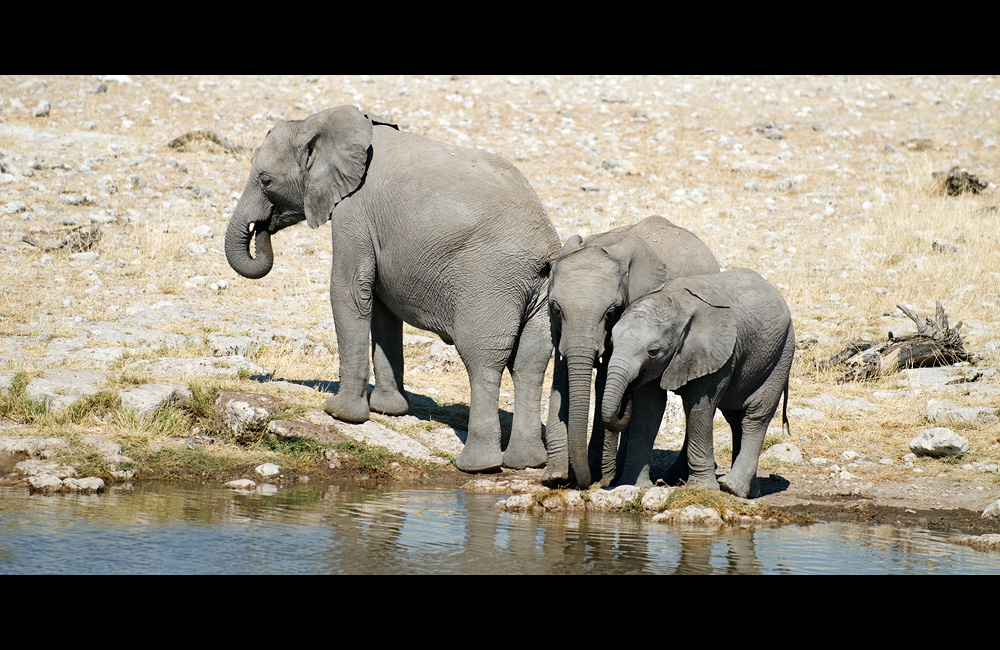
x,y
478,458
705,482
349,410
388,402
744,489
525,454
556,475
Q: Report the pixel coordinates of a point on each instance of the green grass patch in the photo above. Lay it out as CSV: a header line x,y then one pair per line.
x,y
16,405
203,400
296,453
374,458
99,405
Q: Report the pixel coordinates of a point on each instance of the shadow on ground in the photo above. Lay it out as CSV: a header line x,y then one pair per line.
x,y
422,407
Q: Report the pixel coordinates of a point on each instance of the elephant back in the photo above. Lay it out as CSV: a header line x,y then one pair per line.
x,y
479,193
681,251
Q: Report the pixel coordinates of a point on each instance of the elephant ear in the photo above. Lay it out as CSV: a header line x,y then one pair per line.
x,y
377,122
706,342
645,270
573,244
334,159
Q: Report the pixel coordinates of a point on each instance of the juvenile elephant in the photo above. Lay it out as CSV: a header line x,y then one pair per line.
x,y
593,280
449,239
723,340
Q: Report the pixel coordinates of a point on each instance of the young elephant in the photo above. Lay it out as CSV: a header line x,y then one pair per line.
x,y
448,239
592,281
721,340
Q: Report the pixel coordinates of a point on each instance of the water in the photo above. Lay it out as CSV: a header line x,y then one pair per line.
x,y
170,529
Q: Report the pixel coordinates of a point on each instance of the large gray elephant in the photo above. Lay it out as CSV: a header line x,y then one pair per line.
x,y
723,340
592,281
448,239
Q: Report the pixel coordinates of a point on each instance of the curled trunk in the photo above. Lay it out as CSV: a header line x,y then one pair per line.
x,y
238,236
617,406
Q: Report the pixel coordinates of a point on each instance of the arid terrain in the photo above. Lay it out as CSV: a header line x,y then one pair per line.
x,y
111,244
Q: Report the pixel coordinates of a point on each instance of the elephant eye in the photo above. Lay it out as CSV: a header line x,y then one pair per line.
x,y
654,350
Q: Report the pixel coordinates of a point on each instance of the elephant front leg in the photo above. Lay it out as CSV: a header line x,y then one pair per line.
x,y
648,404
699,410
352,313
556,435
527,369
387,360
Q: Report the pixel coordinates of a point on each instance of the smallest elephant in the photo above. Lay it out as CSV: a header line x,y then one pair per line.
x,y
722,340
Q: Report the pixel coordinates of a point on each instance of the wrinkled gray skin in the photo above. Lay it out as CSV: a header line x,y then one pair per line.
x,y
593,280
448,239
723,340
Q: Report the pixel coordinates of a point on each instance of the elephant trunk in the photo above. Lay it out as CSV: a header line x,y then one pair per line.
x,y
617,407
580,366
238,236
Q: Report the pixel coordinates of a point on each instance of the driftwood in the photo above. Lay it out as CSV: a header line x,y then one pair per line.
x,y
203,134
77,239
933,344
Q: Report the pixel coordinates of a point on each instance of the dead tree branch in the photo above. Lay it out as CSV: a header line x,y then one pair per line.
x,y
933,344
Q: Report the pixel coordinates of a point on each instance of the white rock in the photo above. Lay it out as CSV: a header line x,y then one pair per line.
x,y
939,441
86,484
783,451
241,484
992,510
268,469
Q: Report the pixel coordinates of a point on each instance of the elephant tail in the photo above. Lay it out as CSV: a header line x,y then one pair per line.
x,y
784,412
537,295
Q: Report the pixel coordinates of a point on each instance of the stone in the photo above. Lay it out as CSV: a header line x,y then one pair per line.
x,y
992,511
268,469
241,484
60,388
655,498
227,367
692,514
242,411
942,411
147,399
937,442
785,452
45,482
86,484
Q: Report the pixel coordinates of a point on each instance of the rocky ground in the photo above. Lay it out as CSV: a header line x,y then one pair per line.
x,y
116,288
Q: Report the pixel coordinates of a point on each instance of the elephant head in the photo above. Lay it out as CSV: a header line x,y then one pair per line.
x,y
301,171
676,334
590,285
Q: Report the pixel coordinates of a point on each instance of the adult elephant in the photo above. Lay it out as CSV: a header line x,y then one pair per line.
x,y
592,281
723,340
448,239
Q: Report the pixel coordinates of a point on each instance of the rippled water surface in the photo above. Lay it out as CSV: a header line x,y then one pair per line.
x,y
165,529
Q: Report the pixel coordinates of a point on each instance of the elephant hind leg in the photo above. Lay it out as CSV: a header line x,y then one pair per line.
x,y
742,478
387,360
527,365
485,349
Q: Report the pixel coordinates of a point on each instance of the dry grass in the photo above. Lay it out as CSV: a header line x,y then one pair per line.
x,y
840,214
